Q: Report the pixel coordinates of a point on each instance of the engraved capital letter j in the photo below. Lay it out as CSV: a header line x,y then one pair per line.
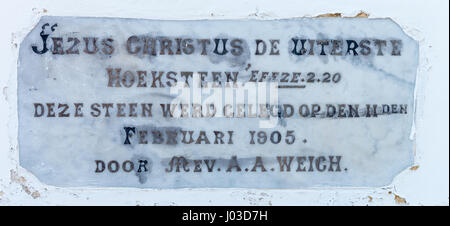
x,y
44,39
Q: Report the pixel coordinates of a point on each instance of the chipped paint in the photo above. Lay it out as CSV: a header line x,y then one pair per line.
x,y
329,15
35,194
399,200
362,14
22,181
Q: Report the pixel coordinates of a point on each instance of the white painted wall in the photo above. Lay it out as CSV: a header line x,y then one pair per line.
x,y
426,21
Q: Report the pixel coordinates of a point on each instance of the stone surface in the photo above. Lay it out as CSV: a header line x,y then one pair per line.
x,y
66,150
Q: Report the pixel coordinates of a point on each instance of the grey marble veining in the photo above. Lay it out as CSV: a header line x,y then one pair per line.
x,y
67,138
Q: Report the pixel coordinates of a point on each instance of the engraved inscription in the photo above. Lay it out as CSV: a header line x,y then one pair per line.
x,y
294,103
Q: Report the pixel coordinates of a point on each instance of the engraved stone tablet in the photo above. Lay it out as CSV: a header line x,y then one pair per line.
x,y
295,103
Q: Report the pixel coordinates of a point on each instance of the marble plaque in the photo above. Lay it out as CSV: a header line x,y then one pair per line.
x,y
292,103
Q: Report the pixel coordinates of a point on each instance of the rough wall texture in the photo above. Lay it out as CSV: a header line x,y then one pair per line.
x,y
424,184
